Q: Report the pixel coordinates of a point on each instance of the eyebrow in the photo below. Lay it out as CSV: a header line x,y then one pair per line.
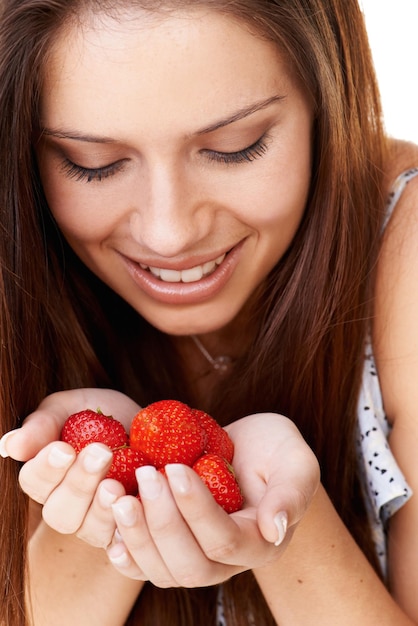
x,y
238,115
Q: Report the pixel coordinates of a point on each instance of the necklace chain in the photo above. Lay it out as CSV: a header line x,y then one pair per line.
x,y
220,364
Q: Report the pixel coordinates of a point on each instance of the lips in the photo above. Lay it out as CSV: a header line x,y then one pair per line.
x,y
185,286
191,275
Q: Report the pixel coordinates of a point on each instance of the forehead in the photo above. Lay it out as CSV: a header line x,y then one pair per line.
x,y
179,67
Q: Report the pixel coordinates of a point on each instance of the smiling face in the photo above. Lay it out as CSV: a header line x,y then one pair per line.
x,y
176,160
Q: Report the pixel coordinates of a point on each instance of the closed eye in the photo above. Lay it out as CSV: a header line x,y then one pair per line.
x,y
87,174
246,155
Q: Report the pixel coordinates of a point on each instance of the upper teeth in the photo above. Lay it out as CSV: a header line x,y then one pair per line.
x,y
190,275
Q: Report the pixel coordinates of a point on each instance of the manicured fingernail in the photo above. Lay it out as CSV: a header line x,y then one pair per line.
x,y
106,498
148,482
118,556
96,457
124,512
280,521
58,458
178,478
3,451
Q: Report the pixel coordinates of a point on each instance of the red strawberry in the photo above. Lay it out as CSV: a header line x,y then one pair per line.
x,y
125,461
89,426
217,439
168,431
219,477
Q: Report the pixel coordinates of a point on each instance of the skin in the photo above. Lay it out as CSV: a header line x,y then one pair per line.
x,y
170,206
396,341
179,186
173,195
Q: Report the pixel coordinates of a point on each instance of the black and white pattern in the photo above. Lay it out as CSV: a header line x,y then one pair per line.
x,y
385,486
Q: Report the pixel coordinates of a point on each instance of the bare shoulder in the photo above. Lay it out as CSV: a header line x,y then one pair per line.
x,y
395,324
403,225
395,343
402,156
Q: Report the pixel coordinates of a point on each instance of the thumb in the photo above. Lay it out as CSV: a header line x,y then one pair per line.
x,y
287,498
22,444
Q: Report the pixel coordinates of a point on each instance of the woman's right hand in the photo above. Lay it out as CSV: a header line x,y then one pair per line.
x,y
71,488
44,425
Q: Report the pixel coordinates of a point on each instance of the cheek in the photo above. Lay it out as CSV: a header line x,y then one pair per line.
x,y
276,205
79,214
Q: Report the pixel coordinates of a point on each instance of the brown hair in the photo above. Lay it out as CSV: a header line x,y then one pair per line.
x,y
58,323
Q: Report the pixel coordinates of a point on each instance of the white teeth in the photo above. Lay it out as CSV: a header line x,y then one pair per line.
x,y
208,268
154,270
170,276
191,275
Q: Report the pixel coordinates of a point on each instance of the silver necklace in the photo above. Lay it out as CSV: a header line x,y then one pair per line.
x,y
221,364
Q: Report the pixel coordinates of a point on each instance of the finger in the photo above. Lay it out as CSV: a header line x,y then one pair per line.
x,y
288,493
42,474
67,506
44,425
231,540
121,560
183,557
141,557
24,443
98,527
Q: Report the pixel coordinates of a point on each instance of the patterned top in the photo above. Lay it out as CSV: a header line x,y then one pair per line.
x,y
384,484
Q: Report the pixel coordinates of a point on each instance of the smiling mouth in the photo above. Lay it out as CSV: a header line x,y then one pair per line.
x,y
191,275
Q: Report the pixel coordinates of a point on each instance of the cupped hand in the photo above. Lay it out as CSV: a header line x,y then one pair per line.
x,y
276,469
44,425
71,488
178,536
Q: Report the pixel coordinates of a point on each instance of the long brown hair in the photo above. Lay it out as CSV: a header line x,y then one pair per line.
x,y
58,323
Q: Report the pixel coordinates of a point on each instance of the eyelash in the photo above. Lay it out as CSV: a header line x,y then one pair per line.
x,y
247,155
87,174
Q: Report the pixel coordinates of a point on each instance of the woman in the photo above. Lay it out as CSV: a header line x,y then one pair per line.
x,y
194,180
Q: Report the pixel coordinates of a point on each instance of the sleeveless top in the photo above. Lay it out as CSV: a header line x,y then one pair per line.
x,y
384,485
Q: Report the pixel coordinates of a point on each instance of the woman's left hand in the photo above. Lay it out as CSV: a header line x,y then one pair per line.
x,y
178,536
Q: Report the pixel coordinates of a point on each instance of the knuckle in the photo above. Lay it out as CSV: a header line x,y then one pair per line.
x,y
165,583
223,552
64,527
95,539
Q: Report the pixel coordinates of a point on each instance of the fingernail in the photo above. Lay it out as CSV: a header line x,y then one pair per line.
x,y
178,478
106,498
149,482
118,556
58,458
280,521
124,512
3,451
96,457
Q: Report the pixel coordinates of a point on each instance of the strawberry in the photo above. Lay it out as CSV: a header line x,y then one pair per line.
x,y
125,461
217,439
219,477
168,431
89,426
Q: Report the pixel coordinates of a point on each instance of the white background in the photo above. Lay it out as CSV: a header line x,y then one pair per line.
x,y
393,32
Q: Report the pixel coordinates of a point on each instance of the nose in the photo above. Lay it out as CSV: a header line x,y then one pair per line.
x,y
168,217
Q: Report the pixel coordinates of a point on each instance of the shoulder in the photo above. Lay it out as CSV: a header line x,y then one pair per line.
x,y
395,344
395,323
402,155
